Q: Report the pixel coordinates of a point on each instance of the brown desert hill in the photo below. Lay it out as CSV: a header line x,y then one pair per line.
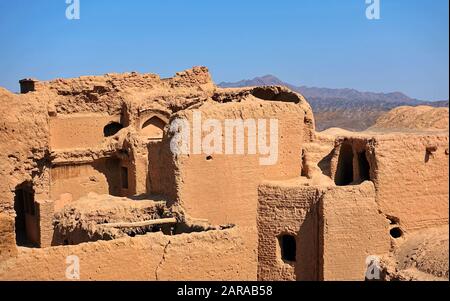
x,y
415,118
348,109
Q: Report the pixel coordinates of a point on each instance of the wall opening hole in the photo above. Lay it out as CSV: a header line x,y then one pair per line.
x,y
124,177
344,172
111,129
25,222
396,232
304,172
288,247
209,158
364,167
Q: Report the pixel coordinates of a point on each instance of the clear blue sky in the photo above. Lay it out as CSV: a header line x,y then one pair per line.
x,y
325,43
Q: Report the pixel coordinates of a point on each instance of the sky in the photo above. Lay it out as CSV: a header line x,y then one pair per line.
x,y
322,43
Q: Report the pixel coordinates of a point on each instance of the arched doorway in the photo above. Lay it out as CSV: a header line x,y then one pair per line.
x,y
153,128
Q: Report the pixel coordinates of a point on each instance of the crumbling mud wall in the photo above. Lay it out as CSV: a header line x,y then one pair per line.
x,y
351,230
332,198
318,232
81,130
422,255
412,179
214,255
408,170
101,176
87,219
223,187
288,211
8,247
63,124
24,155
108,93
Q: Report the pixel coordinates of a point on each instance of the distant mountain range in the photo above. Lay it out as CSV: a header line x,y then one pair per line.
x,y
345,108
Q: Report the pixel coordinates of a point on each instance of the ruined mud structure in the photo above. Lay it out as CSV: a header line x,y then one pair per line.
x,y
86,169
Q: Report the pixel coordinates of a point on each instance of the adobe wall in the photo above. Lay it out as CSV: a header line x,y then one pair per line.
x,y
24,136
223,188
46,210
351,229
102,177
412,185
79,130
8,247
335,230
292,209
32,228
234,179
214,255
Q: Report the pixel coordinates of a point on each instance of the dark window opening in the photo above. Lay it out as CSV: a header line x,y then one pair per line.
x,y
364,167
344,172
304,172
396,232
209,158
124,177
23,205
111,129
288,247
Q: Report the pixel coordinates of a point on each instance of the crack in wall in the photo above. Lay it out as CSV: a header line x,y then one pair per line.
x,y
163,259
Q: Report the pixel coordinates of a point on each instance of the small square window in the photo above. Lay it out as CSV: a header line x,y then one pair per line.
x,y
288,246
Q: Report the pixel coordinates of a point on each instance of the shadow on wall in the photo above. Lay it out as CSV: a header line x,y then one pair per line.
x,y
111,169
307,248
101,176
162,171
26,221
353,166
111,129
344,171
325,164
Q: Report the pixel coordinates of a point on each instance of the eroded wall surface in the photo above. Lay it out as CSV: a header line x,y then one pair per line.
x,y
223,188
8,247
411,183
53,143
102,177
351,229
288,209
79,130
335,228
215,255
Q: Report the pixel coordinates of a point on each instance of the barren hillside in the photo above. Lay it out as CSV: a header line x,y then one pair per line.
x,y
344,108
421,117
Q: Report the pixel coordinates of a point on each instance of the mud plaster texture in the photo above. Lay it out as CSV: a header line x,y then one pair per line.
x,y
78,153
